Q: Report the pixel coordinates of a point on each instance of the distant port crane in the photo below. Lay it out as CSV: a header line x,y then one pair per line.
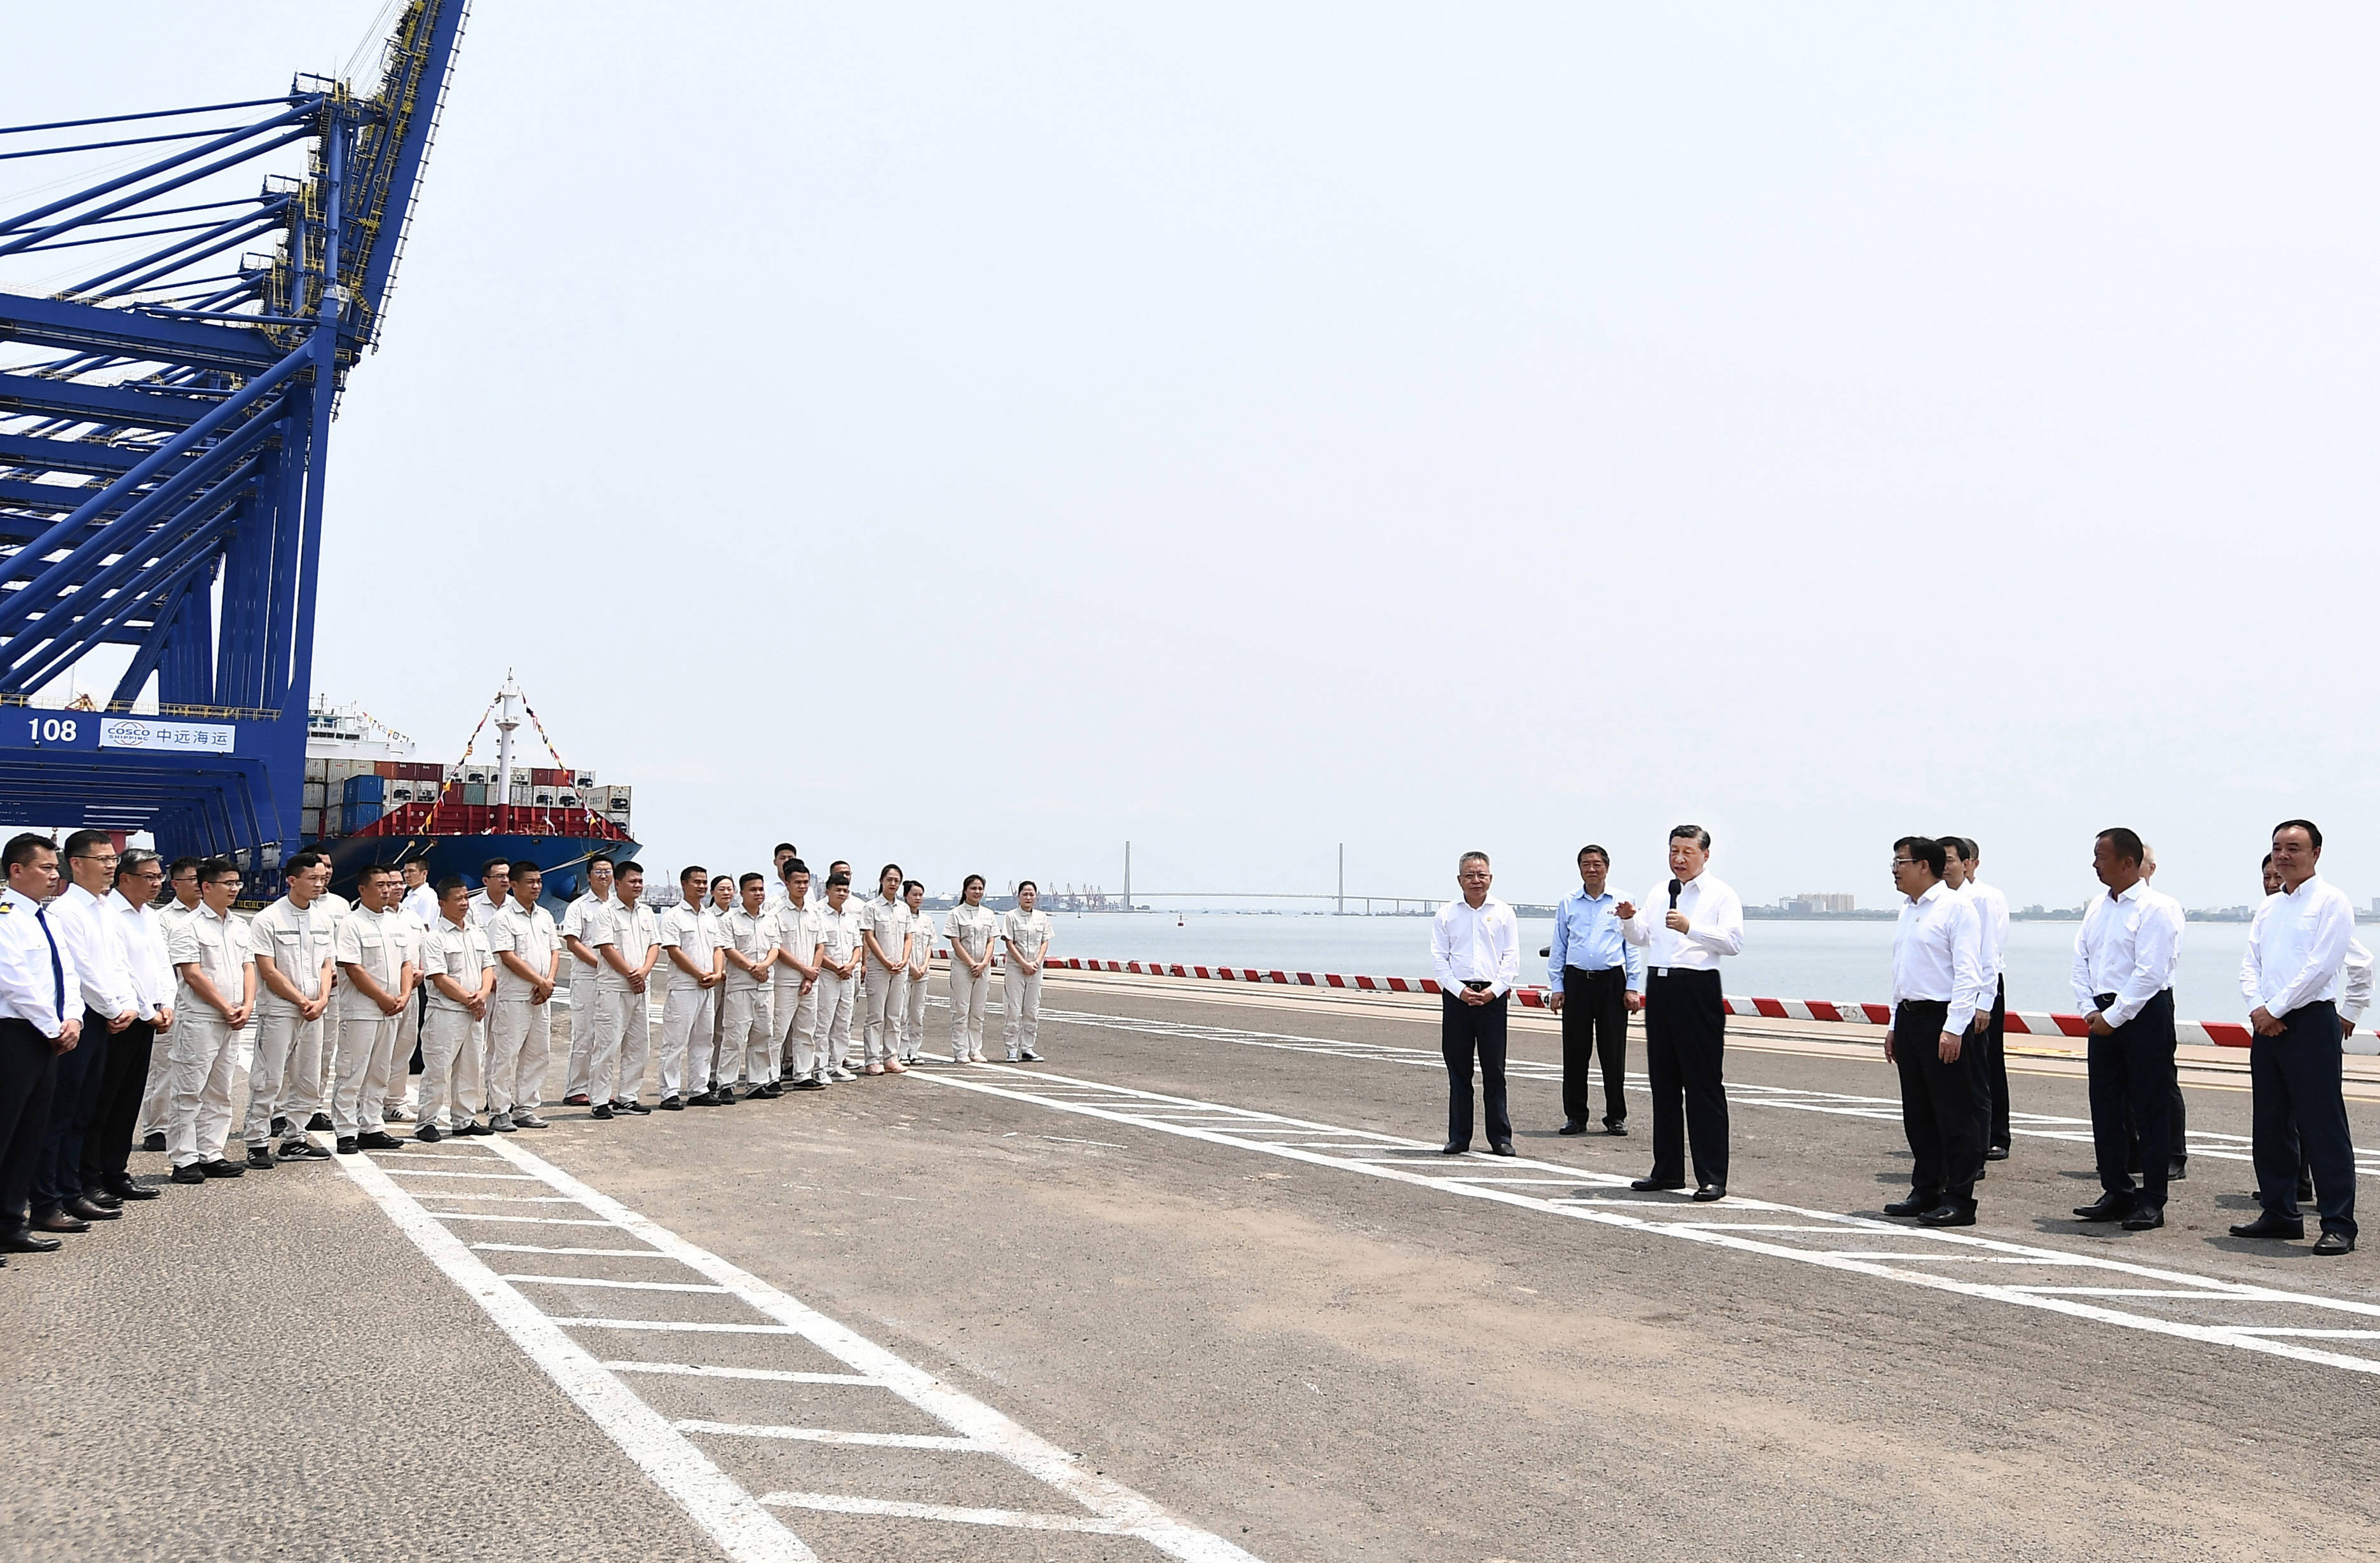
x,y
165,406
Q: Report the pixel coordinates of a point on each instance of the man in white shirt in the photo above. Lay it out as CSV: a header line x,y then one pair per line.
x,y
1685,1015
2291,977
629,938
461,973
2176,1107
1962,862
585,969
1475,948
495,892
780,855
747,1030
80,918
795,1003
107,1149
1936,990
157,1097
213,1005
375,948
409,904
420,900
40,1019
2124,958
294,962
838,958
1024,935
690,944
528,949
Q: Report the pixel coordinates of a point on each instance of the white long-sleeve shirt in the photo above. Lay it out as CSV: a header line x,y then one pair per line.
x,y
144,946
1476,944
2297,947
2128,947
36,968
2355,989
1991,933
96,942
1937,953
1715,913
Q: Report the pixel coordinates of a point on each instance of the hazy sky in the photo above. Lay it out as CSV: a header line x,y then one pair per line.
x,y
978,436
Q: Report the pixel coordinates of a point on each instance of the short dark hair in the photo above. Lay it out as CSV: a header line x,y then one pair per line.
x,y
82,839
694,871
522,867
793,866
450,884
752,879
20,849
2267,863
215,869
2126,843
908,885
2313,830
1953,844
491,864
302,862
1591,850
381,869
625,870
1925,849
605,859
132,862
1701,836
1024,885
970,879
834,879
784,846
174,869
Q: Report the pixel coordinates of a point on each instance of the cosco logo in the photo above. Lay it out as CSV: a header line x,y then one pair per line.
x,y
50,730
128,735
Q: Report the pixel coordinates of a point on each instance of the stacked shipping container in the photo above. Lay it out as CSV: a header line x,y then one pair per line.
x,y
342,796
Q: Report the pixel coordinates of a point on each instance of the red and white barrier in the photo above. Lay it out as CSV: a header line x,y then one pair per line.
x,y
2020,1022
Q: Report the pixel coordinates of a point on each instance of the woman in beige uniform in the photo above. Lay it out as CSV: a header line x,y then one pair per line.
x,y
921,960
971,927
884,939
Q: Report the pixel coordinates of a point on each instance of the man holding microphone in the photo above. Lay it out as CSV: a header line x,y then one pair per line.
x,y
1474,947
1685,1017
1596,978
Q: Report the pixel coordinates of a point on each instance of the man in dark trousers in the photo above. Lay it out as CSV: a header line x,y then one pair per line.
x,y
2292,978
1685,1015
1596,980
1938,986
40,1019
1474,946
2124,958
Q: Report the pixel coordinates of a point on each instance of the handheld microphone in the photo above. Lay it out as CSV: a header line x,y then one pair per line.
x,y
1675,887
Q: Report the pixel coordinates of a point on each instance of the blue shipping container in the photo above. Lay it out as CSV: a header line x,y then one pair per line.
x,y
364,789
356,816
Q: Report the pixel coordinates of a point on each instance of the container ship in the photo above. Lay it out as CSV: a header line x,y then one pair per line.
x,y
368,801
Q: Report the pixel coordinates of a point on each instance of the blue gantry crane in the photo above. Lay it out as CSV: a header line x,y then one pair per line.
x,y
164,426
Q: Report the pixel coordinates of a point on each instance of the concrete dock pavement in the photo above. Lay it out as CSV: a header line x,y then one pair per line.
x,y
1198,1283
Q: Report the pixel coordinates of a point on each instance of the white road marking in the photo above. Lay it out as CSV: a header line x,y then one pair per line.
x,y
603,1252
741,1523
1838,1104
428,1172
833,1503
1459,1176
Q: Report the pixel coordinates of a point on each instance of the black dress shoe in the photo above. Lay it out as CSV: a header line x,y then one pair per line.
x,y
378,1139
1949,1216
319,1122
219,1168
727,1096
2107,1208
773,1090
193,1173
673,1104
1996,1153
260,1159
1915,1204
1500,1148
2270,1226
2178,1172
476,1128
1710,1192
2144,1218
601,1109
2330,1246
703,1099
1650,1185
59,1221
348,1146
122,1186
153,1142
430,1134
24,1240
1618,1129
102,1198
280,1126
1572,1127
91,1210
1454,1147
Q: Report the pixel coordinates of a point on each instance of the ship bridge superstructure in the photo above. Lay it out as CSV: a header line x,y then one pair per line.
x,y
178,311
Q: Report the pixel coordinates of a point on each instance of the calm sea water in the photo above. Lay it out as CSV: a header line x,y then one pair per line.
x,y
1782,959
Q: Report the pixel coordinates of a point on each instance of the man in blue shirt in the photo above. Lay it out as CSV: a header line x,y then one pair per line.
x,y
1597,978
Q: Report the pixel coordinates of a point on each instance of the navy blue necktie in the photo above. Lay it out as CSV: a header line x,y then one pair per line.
x,y
57,972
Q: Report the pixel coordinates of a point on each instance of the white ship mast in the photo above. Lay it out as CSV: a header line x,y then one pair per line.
x,y
508,700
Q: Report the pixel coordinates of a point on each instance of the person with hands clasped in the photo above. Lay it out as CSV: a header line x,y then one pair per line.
x,y
838,957
41,1018
376,945
1475,948
216,997
1938,986
796,977
461,970
922,963
1024,929
2124,958
527,948
971,927
1685,1015
884,938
